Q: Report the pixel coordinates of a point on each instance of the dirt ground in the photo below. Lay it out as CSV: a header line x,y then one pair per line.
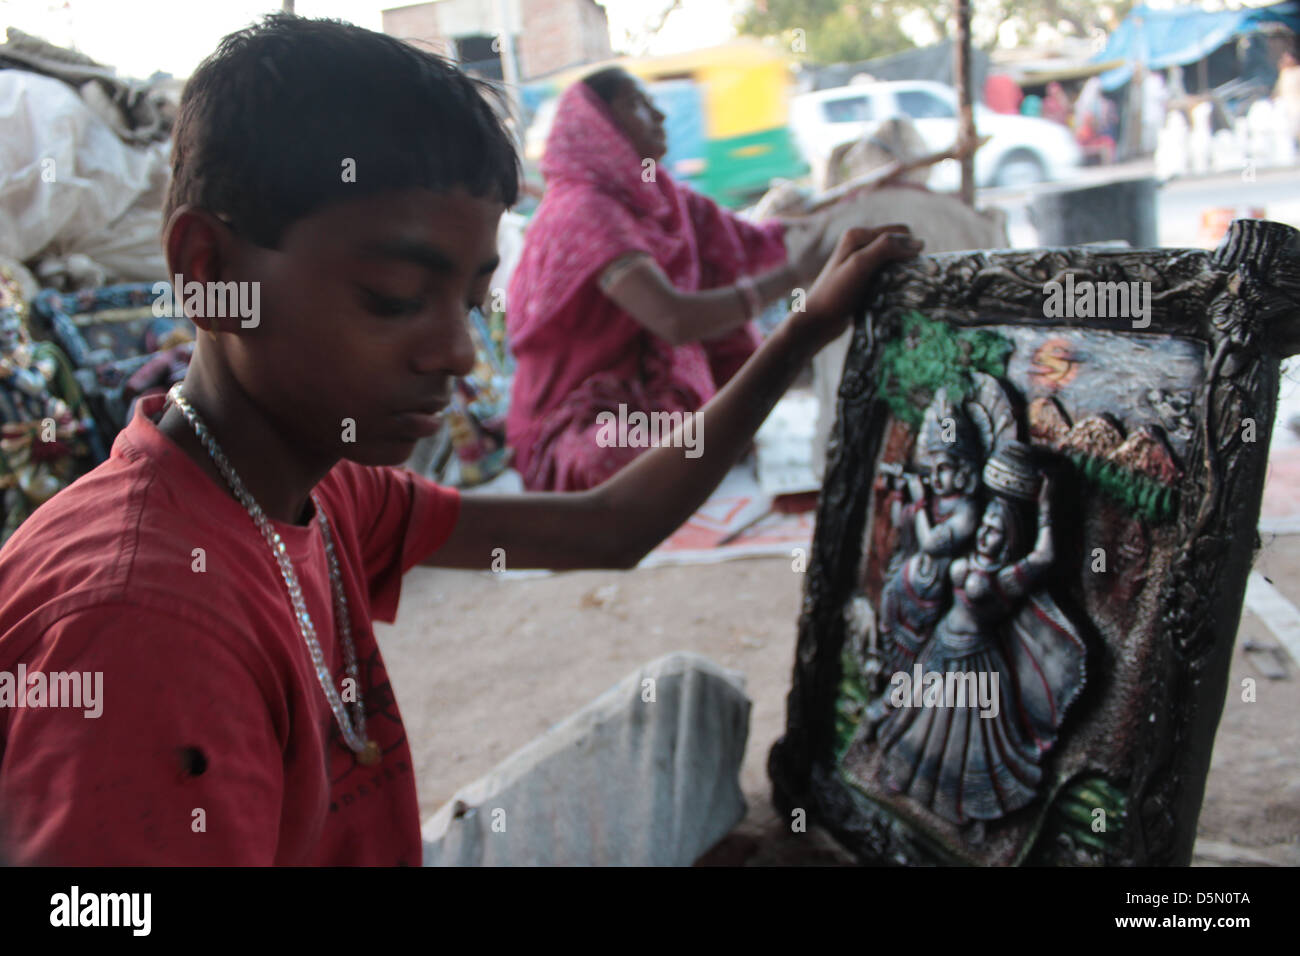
x,y
481,664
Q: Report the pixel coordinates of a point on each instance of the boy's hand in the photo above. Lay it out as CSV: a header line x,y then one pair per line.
x,y
652,496
839,290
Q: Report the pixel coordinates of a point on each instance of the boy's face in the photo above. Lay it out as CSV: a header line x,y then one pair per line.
x,y
364,320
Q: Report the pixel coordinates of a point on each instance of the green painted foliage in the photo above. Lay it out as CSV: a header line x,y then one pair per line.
x,y
850,704
930,355
1075,821
1136,493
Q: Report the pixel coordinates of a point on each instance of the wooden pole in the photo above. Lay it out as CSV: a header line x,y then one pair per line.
x,y
509,63
965,114
887,175
1137,94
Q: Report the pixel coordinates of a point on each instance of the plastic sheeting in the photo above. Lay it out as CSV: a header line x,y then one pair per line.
x,y
1164,38
68,184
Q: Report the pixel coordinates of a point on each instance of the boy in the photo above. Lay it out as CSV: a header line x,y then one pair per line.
x,y
220,573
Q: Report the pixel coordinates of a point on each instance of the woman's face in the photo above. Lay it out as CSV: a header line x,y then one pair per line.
x,y
992,534
640,121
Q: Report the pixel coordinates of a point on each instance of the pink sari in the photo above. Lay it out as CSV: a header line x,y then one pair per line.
x,y
578,353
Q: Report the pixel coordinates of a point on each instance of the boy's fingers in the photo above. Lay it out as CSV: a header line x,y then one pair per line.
x,y
859,237
886,247
872,233
850,239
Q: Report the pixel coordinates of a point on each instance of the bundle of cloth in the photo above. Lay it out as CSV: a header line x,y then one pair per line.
x,y
87,156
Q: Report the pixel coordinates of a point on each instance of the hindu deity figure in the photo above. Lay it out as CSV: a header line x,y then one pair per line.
x,y
933,527
46,433
24,378
981,759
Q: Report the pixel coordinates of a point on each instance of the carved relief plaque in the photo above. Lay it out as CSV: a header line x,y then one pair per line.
x,y
1031,551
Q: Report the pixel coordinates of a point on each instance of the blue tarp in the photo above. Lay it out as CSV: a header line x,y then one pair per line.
x,y
1164,38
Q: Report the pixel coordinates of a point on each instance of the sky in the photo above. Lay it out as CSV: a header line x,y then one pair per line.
x,y
141,36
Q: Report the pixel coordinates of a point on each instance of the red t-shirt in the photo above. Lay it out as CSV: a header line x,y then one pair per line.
x,y
215,743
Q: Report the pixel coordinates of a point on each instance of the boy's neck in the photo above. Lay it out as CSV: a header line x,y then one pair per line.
x,y
279,481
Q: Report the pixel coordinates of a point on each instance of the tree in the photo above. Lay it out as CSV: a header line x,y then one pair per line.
x,y
1077,18
637,40
828,31
835,31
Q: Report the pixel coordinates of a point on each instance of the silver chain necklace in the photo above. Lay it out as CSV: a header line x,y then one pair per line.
x,y
353,727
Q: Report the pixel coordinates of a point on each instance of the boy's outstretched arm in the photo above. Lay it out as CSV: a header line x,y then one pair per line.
x,y
618,523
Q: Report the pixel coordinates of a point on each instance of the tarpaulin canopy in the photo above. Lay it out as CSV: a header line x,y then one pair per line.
x,y
1163,38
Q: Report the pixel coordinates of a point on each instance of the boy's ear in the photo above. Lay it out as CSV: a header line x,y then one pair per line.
x,y
199,247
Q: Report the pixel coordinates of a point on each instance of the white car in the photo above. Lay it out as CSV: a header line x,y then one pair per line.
x,y
1023,149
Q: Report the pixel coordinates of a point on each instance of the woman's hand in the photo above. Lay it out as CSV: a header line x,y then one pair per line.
x,y
1045,502
1044,552
840,289
803,240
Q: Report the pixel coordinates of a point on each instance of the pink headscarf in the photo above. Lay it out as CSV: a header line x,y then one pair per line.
x,y
598,206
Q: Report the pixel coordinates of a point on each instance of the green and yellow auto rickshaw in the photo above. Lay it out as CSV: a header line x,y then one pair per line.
x,y
726,116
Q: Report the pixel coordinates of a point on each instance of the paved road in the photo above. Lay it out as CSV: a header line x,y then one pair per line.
x,y
1180,202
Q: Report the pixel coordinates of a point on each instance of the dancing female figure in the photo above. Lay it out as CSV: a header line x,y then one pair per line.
x,y
981,759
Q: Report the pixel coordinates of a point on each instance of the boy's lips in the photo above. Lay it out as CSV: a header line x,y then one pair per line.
x,y
418,424
422,421
428,408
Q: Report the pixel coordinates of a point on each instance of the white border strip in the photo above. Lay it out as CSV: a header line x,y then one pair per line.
x,y
1288,525
1280,616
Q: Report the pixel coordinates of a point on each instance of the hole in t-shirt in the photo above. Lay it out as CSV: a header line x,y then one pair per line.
x,y
194,760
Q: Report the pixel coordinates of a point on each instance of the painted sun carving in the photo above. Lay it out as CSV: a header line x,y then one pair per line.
x,y
1054,365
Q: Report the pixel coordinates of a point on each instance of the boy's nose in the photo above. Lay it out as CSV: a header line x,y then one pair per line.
x,y
450,352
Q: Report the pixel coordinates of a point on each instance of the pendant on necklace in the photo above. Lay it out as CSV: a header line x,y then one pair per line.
x,y
370,755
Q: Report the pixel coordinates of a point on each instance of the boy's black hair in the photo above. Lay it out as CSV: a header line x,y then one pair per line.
x,y
268,120
607,83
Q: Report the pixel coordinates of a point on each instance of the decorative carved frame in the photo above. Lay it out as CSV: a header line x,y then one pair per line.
x,y
1242,302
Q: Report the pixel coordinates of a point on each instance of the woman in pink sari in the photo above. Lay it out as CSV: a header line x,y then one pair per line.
x,y
632,289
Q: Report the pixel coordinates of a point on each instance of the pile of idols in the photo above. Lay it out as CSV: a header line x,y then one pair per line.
x,y
47,434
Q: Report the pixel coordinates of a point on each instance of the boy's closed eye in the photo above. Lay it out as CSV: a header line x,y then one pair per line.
x,y
401,278
390,289
387,306
390,305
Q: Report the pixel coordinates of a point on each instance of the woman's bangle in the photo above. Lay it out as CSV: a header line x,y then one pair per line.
x,y
749,296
